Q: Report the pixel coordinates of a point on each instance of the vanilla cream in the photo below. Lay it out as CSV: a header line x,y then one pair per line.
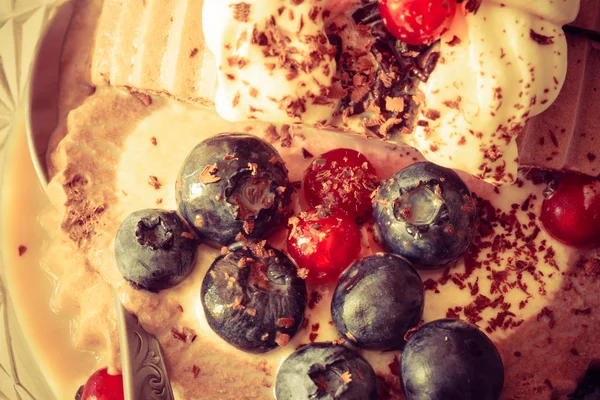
x,y
146,148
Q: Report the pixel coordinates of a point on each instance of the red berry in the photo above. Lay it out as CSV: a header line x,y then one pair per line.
x,y
103,386
572,213
417,22
323,243
341,179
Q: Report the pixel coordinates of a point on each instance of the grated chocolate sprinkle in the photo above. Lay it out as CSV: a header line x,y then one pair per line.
x,y
541,39
241,11
154,182
381,80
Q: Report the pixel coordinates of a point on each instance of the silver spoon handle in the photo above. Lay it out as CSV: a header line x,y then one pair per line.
x,y
144,370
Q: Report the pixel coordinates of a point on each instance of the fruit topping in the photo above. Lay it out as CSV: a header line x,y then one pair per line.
x,y
425,213
253,298
451,359
377,300
571,211
341,179
323,243
381,78
102,386
325,371
233,184
154,249
589,387
417,22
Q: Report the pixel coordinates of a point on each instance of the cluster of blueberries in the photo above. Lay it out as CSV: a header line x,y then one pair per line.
x,y
233,190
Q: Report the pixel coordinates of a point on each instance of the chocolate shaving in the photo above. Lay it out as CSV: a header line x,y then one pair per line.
x,y
432,114
473,5
248,226
454,42
236,100
591,157
187,335
282,339
394,104
306,154
346,377
410,332
208,175
285,322
196,371
590,265
237,304
241,11
188,235
286,137
22,250
271,134
541,39
143,97
546,312
302,273
154,182
315,298
574,351
582,311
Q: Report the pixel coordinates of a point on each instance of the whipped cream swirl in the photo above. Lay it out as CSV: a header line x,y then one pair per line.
x,y
507,65
274,60
500,64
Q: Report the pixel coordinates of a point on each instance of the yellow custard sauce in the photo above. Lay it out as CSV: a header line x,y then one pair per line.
x,y
22,241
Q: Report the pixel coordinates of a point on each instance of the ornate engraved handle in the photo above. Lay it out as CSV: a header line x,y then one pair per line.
x,y
144,371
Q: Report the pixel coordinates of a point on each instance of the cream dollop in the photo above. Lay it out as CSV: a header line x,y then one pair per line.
x,y
500,65
507,65
274,60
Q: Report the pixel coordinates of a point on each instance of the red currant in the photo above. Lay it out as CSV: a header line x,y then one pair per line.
x,y
103,386
323,243
572,213
417,22
341,179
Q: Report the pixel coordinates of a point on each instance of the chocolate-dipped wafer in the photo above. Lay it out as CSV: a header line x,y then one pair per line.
x,y
567,136
589,16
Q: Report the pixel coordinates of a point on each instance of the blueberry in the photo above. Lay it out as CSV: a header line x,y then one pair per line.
x,y
154,249
450,359
589,387
377,300
253,298
325,371
425,213
233,183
